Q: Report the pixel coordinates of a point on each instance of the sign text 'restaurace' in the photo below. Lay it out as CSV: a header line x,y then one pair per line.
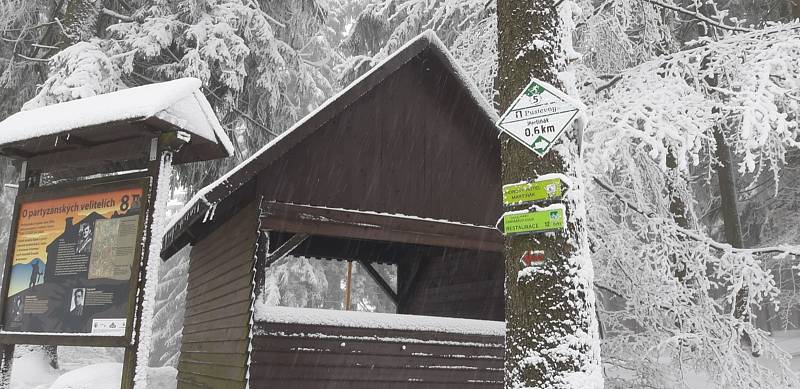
x,y
533,221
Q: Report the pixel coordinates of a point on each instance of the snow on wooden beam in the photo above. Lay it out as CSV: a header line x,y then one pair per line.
x,y
365,225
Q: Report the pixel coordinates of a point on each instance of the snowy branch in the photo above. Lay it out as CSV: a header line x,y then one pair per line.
x,y
782,249
244,115
609,84
695,14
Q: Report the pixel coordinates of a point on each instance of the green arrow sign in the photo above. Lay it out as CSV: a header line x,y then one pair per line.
x,y
532,222
531,192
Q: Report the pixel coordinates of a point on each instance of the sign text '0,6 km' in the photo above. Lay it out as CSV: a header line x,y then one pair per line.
x,y
538,116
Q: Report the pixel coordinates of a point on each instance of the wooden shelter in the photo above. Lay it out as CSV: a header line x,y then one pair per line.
x,y
402,167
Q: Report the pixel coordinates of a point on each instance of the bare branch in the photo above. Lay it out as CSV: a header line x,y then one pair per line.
x,y
273,20
117,15
32,58
27,28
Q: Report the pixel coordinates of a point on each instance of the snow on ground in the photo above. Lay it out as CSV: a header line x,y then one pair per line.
x,y
99,368
80,368
31,370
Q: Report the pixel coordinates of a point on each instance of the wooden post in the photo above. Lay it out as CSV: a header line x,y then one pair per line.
x,y
134,374
348,285
552,339
8,349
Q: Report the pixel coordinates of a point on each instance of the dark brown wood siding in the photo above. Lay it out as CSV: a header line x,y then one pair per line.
x,y
412,146
218,306
303,356
459,283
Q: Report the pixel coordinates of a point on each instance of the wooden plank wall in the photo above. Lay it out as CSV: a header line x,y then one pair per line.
x,y
411,146
216,328
304,356
460,283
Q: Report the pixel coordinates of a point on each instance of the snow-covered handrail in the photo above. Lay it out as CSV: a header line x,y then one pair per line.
x,y
373,320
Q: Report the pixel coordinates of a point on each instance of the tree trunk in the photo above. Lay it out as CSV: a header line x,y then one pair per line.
x,y
80,21
729,206
678,210
551,330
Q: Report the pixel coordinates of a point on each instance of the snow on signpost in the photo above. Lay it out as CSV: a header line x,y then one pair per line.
x,y
538,116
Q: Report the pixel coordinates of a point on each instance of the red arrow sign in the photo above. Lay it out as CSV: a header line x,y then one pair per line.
x,y
532,258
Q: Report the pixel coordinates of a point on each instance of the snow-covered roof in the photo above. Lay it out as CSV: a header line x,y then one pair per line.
x,y
329,317
208,197
178,103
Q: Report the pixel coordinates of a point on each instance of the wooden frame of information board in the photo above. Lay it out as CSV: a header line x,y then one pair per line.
x,y
135,181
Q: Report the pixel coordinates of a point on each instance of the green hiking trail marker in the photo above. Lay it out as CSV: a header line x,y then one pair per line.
x,y
531,192
533,222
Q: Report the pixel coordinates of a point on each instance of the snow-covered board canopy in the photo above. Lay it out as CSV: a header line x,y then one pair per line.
x,y
116,127
413,117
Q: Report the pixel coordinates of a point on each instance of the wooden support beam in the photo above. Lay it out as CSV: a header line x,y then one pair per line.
x,y
19,153
408,285
346,223
100,160
76,140
63,340
379,280
286,248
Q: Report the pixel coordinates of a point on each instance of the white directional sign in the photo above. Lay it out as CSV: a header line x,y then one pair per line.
x,y
538,116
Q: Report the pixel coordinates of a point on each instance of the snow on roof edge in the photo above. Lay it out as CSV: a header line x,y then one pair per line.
x,y
428,36
356,319
89,111
211,117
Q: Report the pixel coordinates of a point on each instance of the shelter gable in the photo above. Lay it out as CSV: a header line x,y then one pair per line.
x,y
412,136
411,146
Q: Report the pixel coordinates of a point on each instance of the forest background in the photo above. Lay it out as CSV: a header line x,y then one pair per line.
x,y
696,270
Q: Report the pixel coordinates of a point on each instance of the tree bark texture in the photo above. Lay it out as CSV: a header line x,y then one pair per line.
x,y
552,339
80,21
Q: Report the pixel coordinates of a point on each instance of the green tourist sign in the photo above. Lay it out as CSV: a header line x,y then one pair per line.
x,y
531,192
531,222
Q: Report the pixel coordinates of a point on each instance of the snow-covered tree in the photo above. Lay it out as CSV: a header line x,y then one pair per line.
x,y
669,288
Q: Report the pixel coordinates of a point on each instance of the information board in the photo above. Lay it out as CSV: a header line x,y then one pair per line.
x,y
74,259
